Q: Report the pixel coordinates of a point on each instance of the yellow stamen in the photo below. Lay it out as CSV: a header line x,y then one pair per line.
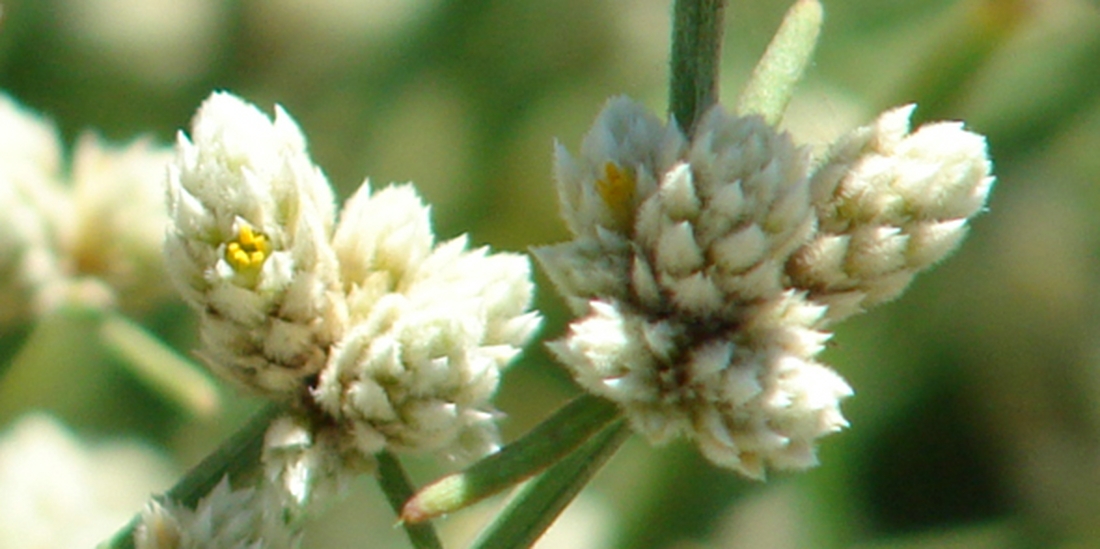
x,y
616,189
249,251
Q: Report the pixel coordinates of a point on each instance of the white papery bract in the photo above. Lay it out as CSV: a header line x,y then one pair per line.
x,y
431,327
88,234
689,263
249,246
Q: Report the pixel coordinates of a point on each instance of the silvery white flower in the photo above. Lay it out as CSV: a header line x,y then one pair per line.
x,y
89,234
245,518
890,204
684,268
431,325
248,246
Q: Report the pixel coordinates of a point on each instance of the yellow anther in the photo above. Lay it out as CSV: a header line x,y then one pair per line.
x,y
616,189
248,251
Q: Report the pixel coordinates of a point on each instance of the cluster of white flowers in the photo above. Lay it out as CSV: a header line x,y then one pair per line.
x,y
366,321
88,234
375,336
706,269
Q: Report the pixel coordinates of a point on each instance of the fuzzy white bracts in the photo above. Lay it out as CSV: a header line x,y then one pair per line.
x,y
890,204
395,338
249,246
247,518
432,326
706,270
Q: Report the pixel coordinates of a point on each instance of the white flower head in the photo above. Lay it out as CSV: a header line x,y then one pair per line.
x,y
117,232
430,328
890,204
248,246
694,322
386,338
89,234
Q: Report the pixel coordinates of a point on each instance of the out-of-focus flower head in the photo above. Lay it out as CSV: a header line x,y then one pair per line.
x,y
246,518
706,269
87,234
60,492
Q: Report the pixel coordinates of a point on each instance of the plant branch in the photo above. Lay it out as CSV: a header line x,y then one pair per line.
x,y
697,30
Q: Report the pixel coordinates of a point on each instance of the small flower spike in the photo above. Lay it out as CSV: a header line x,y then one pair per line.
x,y
890,204
248,246
694,269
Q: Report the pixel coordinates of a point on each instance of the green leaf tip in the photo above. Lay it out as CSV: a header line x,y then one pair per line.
x,y
396,486
773,80
545,445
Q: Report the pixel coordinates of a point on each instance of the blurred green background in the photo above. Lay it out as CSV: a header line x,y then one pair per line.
x,y
976,420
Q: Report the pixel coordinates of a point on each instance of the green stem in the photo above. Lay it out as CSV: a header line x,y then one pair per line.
x,y
238,457
539,503
540,448
697,29
398,489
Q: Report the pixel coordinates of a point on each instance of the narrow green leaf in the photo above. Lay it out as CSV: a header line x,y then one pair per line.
x,y
773,80
171,375
539,503
398,489
238,457
543,446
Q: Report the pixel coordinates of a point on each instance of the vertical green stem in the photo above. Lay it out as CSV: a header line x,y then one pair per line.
x,y
697,29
